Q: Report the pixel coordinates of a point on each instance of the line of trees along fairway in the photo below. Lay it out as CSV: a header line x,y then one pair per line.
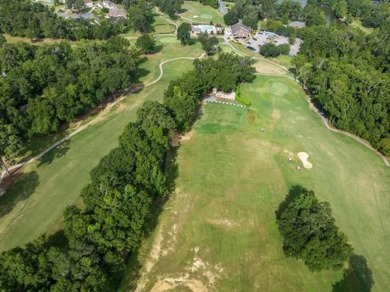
x,y
309,231
25,18
117,205
170,7
348,75
43,87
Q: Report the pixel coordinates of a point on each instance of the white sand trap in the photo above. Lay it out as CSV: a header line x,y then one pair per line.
x,y
195,16
303,156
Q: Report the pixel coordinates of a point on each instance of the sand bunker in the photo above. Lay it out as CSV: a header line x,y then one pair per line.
x,y
303,156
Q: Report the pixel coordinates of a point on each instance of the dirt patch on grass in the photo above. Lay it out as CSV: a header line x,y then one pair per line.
x,y
223,222
267,68
251,117
187,136
276,114
7,180
185,280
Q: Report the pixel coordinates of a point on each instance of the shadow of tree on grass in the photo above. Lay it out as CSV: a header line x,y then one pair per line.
x,y
20,190
357,278
57,152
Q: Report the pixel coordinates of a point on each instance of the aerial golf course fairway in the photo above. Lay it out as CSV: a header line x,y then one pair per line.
x,y
34,204
218,232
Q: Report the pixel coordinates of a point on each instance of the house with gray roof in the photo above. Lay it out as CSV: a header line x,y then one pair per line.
x,y
297,24
240,30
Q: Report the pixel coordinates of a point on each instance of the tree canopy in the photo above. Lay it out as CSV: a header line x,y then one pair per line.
x,y
347,73
43,87
146,43
309,231
26,18
184,33
209,43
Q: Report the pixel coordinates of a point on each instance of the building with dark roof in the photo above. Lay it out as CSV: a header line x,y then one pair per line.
x,y
240,30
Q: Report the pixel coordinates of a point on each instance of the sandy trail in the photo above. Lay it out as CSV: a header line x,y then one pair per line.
x,y
303,156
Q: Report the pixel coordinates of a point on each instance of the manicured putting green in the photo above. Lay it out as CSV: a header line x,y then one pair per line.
x,y
206,16
278,88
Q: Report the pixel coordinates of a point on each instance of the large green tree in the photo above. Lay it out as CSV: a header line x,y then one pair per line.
x,y
209,43
146,43
141,17
184,33
309,231
75,4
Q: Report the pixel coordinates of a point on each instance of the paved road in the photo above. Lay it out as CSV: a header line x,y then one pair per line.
x,y
221,7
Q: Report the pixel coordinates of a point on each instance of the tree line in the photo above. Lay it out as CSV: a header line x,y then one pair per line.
x,y
372,14
33,20
42,87
347,74
119,202
251,11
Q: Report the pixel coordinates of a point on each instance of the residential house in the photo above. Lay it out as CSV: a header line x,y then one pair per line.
x,y
297,24
107,4
117,12
88,3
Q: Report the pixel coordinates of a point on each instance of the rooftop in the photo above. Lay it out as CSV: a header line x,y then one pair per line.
x,y
238,26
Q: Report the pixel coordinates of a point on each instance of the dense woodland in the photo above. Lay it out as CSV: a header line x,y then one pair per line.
x,y
372,14
44,86
125,188
34,20
348,75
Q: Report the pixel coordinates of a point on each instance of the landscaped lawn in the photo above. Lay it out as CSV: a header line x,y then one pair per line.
x,y
198,12
218,229
34,204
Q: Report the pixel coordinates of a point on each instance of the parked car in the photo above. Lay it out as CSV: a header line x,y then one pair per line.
x,y
251,48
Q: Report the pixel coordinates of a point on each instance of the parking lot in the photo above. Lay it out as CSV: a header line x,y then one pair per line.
x,y
264,37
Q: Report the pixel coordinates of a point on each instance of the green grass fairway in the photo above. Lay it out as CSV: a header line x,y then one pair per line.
x,y
170,49
34,204
218,231
202,13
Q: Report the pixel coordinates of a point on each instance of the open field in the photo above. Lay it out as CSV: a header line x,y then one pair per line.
x,y
198,12
34,204
218,230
